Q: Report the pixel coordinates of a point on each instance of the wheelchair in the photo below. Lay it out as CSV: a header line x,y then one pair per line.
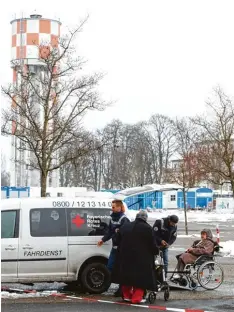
x,y
204,272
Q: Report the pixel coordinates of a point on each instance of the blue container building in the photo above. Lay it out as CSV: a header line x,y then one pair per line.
x,y
145,200
195,198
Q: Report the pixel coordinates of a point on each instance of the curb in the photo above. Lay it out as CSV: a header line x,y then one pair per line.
x,y
64,296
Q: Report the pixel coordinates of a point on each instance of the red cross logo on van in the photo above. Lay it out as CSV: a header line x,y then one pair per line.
x,y
78,221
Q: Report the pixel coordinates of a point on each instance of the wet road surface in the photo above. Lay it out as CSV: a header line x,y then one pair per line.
x,y
74,306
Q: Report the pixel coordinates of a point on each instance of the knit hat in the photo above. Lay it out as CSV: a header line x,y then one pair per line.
x,y
142,214
208,233
174,218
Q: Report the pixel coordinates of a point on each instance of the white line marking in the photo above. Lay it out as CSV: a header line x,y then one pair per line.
x,y
73,297
66,299
176,310
106,301
139,305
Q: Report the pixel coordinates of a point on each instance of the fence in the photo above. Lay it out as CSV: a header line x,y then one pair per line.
x,y
14,192
151,200
225,205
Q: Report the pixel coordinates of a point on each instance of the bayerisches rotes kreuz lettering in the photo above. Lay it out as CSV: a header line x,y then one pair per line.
x,y
43,253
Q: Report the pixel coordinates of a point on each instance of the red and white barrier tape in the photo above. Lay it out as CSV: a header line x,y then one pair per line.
x,y
218,233
62,295
153,307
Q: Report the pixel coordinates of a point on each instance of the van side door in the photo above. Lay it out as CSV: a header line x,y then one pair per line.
x,y
43,248
9,244
86,226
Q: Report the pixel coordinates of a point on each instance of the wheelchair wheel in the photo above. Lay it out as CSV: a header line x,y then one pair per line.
x,y
152,297
167,293
210,275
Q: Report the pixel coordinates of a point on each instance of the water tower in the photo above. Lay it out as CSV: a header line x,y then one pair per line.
x,y
28,34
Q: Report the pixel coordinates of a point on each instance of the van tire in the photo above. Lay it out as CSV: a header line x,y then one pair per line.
x,y
96,278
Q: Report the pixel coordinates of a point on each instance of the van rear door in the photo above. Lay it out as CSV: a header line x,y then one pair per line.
x,y
43,248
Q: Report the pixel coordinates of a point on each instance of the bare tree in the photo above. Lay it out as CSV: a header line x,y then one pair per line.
x,y
48,107
87,170
5,175
162,144
140,166
185,171
215,143
110,172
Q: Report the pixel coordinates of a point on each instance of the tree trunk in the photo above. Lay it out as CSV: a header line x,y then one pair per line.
x,y
185,212
43,184
232,185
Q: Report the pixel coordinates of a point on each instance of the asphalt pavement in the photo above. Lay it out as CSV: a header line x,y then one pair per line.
x,y
67,306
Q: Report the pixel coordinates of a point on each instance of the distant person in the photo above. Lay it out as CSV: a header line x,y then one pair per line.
x,y
134,266
165,233
118,219
205,246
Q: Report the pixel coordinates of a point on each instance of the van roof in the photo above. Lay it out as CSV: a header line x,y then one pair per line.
x,y
11,202
21,199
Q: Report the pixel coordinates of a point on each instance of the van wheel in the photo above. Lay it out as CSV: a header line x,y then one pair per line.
x,y
96,278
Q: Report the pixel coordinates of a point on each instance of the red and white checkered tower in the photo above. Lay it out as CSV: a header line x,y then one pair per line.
x,y
28,34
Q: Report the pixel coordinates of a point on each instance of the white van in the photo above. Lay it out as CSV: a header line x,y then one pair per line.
x,y
55,239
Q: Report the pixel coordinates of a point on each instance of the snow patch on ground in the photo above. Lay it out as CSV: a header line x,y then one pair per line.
x,y
228,248
9,295
189,236
192,216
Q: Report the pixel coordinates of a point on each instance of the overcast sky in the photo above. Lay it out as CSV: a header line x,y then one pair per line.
x,y
159,56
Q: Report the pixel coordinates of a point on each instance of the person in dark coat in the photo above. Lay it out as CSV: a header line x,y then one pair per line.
x,y
118,219
205,246
134,266
165,233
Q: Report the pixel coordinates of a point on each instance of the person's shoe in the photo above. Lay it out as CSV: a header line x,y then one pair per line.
x,y
143,300
127,299
118,292
176,278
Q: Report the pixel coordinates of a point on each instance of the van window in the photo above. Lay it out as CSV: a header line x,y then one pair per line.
x,y
9,224
48,222
87,222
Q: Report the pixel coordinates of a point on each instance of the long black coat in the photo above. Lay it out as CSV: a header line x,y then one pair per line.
x,y
134,265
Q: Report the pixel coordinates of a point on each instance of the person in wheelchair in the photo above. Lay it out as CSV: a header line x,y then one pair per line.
x,y
205,246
